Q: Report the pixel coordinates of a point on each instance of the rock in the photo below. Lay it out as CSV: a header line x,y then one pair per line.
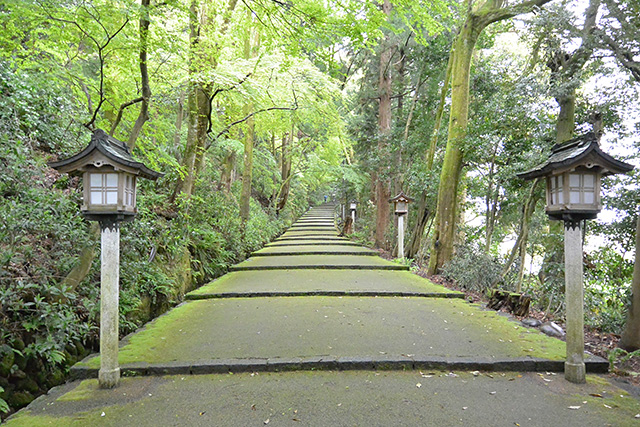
x,y
69,359
531,323
18,374
80,350
71,349
18,344
29,385
6,361
20,361
552,329
20,399
34,364
56,377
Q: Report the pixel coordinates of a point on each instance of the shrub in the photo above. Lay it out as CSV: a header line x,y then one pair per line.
x,y
472,268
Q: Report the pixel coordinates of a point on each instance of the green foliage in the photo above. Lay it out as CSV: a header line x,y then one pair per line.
x,y
4,406
607,283
472,268
619,355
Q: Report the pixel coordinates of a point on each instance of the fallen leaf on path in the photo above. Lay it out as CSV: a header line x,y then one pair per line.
x,y
418,385
202,413
595,394
607,406
574,407
267,421
253,407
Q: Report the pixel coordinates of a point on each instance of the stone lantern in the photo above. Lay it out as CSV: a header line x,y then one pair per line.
x,y
352,209
400,209
109,174
573,175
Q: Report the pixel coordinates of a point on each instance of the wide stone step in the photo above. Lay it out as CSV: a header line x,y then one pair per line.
x,y
311,242
315,250
261,334
328,229
323,262
330,282
311,238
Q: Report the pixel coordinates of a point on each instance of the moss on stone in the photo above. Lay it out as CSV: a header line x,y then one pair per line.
x,y
83,391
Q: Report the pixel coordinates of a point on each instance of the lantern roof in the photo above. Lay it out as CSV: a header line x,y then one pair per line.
x,y
579,151
401,198
105,149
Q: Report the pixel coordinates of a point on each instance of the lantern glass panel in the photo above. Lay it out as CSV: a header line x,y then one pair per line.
x,y
401,207
353,206
103,188
130,191
556,195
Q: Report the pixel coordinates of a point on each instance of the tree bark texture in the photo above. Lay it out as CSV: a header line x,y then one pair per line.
x,y
424,214
446,212
285,172
631,336
143,115
382,181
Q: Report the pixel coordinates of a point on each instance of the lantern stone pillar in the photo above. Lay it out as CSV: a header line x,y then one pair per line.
x,y
573,173
574,367
400,236
109,374
109,173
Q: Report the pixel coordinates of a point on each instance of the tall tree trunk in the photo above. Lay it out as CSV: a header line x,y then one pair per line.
x,y
247,172
424,214
446,211
177,136
520,245
143,116
491,203
226,176
476,21
285,171
397,164
631,336
198,100
566,125
382,183
249,135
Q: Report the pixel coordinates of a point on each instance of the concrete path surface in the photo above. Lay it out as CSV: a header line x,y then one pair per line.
x,y
315,330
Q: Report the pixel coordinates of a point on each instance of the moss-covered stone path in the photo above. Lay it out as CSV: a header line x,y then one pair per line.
x,y
320,331
313,300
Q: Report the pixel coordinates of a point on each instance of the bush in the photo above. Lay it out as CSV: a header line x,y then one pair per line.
x,y
472,268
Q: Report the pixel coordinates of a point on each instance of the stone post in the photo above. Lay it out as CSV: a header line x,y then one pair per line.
x,y
574,368
353,218
109,373
400,236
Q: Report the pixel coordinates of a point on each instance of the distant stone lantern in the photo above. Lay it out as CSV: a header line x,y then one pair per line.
x,y
352,209
400,209
573,175
109,175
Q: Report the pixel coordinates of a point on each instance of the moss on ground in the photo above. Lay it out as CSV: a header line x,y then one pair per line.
x,y
518,340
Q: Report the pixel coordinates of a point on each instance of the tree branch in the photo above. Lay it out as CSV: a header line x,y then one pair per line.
x,y
244,119
123,106
219,91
